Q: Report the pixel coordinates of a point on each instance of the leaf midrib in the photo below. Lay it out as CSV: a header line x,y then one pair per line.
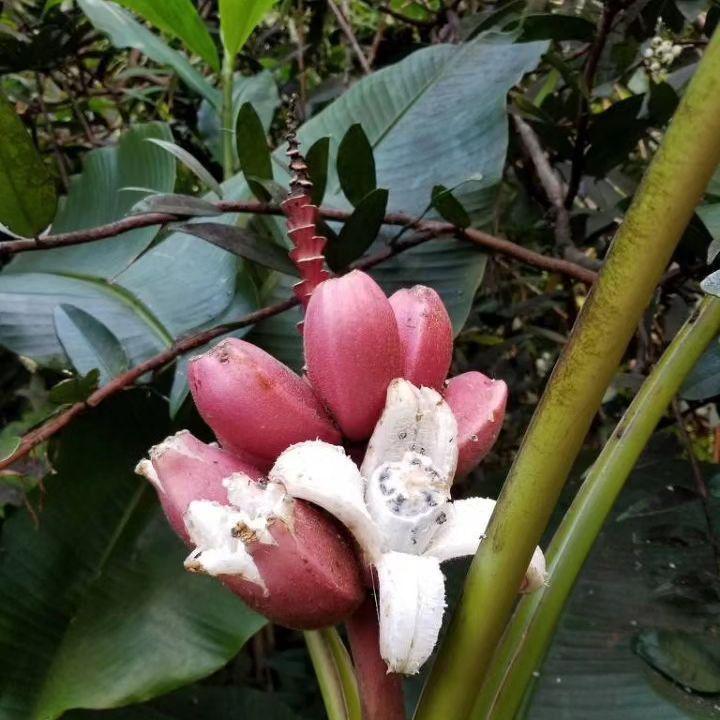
x,y
127,298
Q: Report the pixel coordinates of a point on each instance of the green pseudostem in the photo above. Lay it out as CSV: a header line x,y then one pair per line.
x,y
663,205
528,636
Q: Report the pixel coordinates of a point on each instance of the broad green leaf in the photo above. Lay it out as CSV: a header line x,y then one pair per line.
x,y
711,284
704,379
8,445
89,344
126,32
356,165
710,215
690,660
613,133
75,389
178,284
96,609
27,192
651,573
244,243
359,232
449,207
180,19
191,163
238,18
317,161
252,148
714,184
431,119
187,205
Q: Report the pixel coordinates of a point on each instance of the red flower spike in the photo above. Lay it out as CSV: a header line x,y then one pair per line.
x,y
302,218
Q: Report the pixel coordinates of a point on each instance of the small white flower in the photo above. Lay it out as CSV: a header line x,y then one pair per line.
x,y
399,510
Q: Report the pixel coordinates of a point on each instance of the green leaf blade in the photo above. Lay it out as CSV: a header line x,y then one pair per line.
x,y
89,344
243,243
190,162
180,19
449,207
238,18
183,205
359,231
252,149
356,164
125,32
317,158
27,193
148,626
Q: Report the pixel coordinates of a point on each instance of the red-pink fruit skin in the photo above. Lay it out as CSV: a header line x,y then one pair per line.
x,y
256,406
426,335
352,350
381,692
312,574
478,403
195,474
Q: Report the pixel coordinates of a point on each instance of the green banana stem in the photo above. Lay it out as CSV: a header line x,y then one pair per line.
x,y
335,674
227,129
529,634
663,205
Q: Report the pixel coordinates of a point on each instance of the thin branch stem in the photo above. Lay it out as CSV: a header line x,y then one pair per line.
x,y
528,635
347,29
52,138
57,423
610,9
700,483
432,228
553,187
640,252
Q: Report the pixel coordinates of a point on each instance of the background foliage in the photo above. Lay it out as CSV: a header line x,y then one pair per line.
x,y
109,108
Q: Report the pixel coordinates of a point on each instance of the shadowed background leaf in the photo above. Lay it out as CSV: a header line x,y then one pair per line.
x,y
98,593
27,192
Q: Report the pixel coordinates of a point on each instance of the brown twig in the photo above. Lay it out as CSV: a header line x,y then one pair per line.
x,y
610,9
57,423
553,187
433,228
347,29
54,425
377,41
548,179
65,83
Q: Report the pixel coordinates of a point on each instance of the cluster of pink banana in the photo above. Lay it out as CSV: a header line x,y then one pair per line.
x,y
318,478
